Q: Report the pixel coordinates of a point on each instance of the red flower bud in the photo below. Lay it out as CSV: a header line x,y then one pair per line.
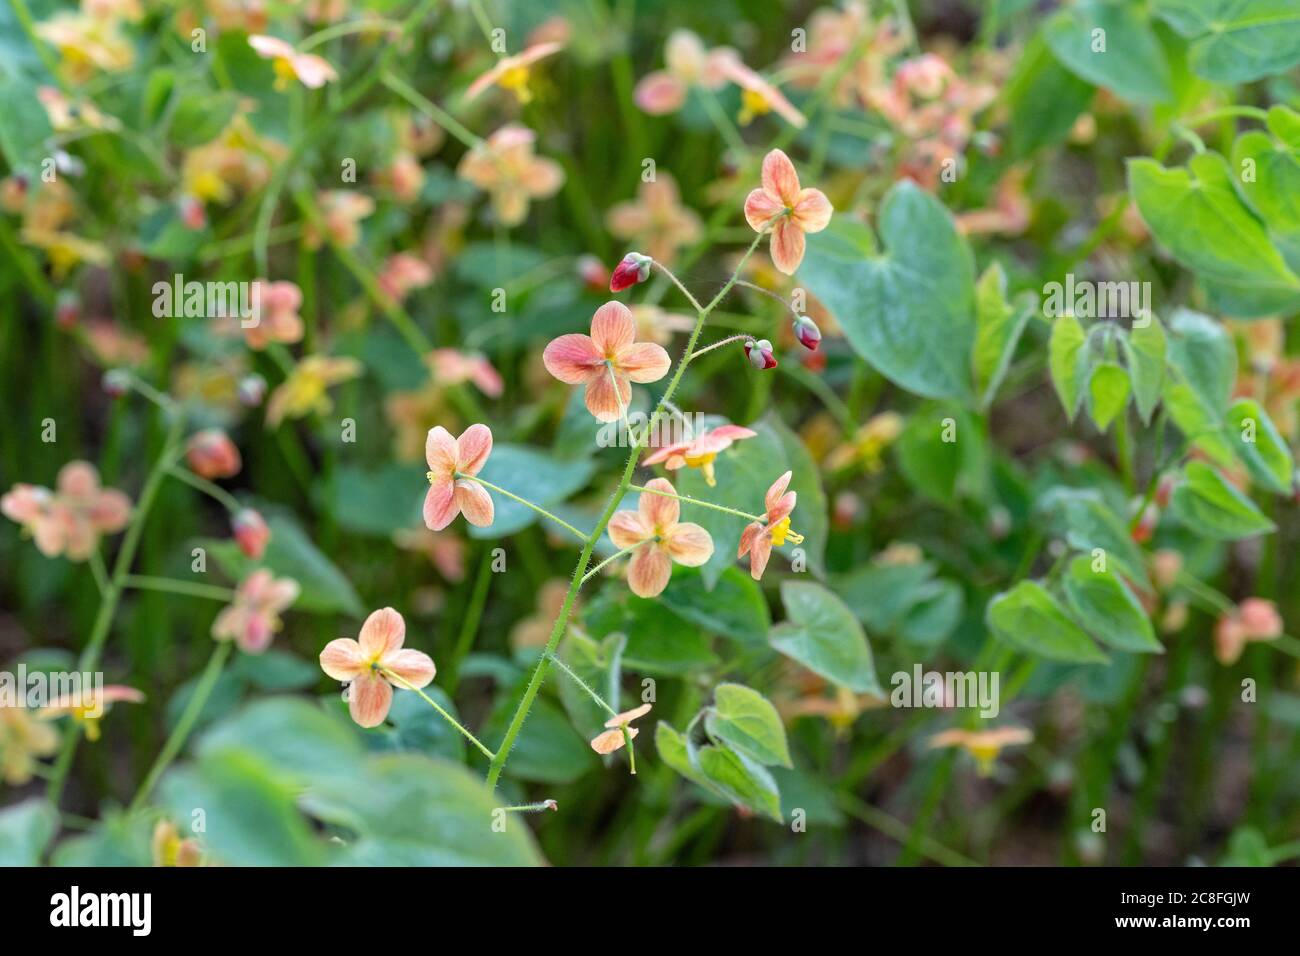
x,y
251,533
633,269
593,273
211,454
806,331
760,354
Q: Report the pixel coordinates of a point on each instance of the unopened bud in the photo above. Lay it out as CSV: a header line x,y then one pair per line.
x,y
633,269
117,382
211,454
806,331
251,532
760,354
67,309
252,389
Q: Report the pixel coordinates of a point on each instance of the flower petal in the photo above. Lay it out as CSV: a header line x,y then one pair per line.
x,y
747,538
382,634
369,698
760,207
111,511
441,451
659,93
658,511
414,667
689,544
648,573
780,178
603,401
787,246
644,362
78,479
474,500
627,716
612,329
475,444
759,551
778,488
341,658
440,507
573,358
626,529
812,210
611,740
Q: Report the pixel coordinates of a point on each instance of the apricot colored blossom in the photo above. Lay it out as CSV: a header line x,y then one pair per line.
x,y
607,361
613,739
86,44
277,315
305,390
454,367
341,212
505,167
23,741
758,96
701,451
88,707
310,70
656,221
660,538
759,538
70,520
983,745
374,663
250,532
868,444
402,273
253,618
800,210
688,64
512,72
211,454
452,463
1255,619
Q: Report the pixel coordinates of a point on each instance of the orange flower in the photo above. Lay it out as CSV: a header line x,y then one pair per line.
x,y
211,454
277,315
511,72
656,221
700,451
453,367
252,619
341,210
449,493
70,520
374,664
758,539
983,745
505,167
88,707
659,538
758,96
308,69
799,210
170,850
689,63
614,739
1254,620
607,361
304,391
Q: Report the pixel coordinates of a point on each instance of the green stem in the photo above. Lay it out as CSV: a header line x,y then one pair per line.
x,y
193,708
896,829
214,491
144,582
442,712
719,344
611,559
696,501
460,476
600,701
695,304
431,110
344,29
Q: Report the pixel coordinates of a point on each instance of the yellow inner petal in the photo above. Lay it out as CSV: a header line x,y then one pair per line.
x,y
752,104
515,79
704,462
780,531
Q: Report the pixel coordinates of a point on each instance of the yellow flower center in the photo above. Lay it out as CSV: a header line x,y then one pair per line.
x,y
985,755
780,531
704,462
515,79
752,104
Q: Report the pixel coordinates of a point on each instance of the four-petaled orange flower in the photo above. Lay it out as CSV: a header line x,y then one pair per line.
x,y
1255,619
608,359
800,210
511,72
88,706
277,315
70,520
660,539
983,745
308,69
252,619
613,739
505,167
758,539
372,665
699,452
449,493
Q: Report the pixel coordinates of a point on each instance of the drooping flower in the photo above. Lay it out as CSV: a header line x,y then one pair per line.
x,y
375,663
631,269
1255,619
310,70
660,539
806,331
700,451
211,454
656,220
88,707
758,96
759,538
449,493
800,210
607,361
983,745
304,391
277,315
613,739
760,354
511,72
70,520
250,532
867,446
169,849
505,167
689,63
252,619
23,740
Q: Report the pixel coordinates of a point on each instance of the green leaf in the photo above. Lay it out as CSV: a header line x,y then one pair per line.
x,y
741,780
1207,504
379,501
1199,216
1068,360
1043,99
26,829
746,721
1105,606
200,116
413,726
1144,352
735,608
548,749
409,810
999,326
1087,522
673,751
1125,57
1202,353
1029,618
659,641
821,633
1261,446
909,311
1236,41
534,474
600,665
1268,173
295,737
24,125
1107,393
943,453
118,840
